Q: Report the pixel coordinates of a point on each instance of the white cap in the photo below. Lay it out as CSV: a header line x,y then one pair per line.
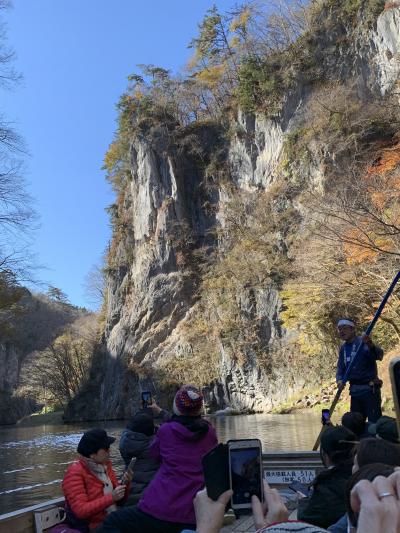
x,y
345,322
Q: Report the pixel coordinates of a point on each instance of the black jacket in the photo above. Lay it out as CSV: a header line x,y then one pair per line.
x,y
133,444
327,502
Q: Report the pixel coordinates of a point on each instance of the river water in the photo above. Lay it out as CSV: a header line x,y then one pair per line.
x,y
33,459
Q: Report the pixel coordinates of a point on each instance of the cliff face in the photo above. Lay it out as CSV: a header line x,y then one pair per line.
x,y
170,209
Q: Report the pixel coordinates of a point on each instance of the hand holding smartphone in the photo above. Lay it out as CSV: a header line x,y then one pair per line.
x,y
245,472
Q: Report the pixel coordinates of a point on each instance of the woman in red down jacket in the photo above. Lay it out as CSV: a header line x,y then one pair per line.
x,y
90,486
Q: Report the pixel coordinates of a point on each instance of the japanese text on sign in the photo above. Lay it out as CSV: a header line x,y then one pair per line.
x,y
287,476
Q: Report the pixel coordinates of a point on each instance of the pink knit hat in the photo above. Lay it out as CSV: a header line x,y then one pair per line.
x,y
188,401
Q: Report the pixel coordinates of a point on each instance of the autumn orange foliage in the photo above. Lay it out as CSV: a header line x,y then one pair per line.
x,y
382,180
391,5
388,161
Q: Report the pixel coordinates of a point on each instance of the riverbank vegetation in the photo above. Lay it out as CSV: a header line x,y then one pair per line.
x,y
45,348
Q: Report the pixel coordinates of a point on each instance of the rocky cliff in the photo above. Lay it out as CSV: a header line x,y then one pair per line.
x,y
178,214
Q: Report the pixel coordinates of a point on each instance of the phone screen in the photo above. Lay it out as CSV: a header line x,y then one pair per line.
x,y
146,398
245,465
325,416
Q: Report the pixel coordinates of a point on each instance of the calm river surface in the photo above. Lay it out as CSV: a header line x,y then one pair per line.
x,y
33,459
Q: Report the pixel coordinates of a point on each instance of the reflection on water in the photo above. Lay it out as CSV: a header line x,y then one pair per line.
x,y
33,460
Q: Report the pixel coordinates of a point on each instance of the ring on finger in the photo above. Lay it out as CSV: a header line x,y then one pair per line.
x,y
384,495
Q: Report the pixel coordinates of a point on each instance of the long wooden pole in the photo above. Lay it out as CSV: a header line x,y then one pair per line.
x,y
367,332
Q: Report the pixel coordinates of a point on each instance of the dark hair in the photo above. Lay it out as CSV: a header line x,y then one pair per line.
x,y
338,444
355,422
142,423
377,451
368,472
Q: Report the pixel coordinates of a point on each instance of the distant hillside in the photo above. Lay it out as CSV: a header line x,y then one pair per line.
x,y
29,323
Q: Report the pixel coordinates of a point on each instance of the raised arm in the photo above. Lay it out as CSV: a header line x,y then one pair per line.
x,y
375,351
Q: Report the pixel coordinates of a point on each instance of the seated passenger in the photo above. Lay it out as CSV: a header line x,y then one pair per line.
x,y
368,472
385,428
367,452
327,501
135,442
357,423
90,486
376,451
180,444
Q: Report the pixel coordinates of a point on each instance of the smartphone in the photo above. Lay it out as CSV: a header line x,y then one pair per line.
x,y
394,371
129,468
216,471
296,486
146,399
245,472
325,416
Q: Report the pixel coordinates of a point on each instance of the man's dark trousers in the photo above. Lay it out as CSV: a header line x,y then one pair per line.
x,y
368,404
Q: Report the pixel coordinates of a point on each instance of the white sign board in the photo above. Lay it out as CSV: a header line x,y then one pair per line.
x,y
287,476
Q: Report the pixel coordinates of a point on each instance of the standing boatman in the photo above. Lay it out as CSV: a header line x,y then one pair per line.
x,y
365,386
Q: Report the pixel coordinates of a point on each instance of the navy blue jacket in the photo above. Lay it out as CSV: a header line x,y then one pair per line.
x,y
364,369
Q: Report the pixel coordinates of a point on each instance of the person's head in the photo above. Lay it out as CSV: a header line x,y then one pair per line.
x,y
188,401
347,329
368,472
355,422
337,445
372,450
95,444
142,423
385,428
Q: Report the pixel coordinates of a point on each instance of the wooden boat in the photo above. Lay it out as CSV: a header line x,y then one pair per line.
x,y
280,469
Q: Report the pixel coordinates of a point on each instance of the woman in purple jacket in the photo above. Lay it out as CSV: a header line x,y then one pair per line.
x,y
167,503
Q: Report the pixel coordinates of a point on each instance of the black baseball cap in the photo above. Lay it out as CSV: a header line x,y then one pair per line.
x,y
338,442
385,428
94,440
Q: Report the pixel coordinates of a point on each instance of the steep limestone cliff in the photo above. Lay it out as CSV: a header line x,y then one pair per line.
x,y
171,207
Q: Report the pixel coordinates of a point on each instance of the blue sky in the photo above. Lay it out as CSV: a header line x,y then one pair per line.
x,y
75,56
